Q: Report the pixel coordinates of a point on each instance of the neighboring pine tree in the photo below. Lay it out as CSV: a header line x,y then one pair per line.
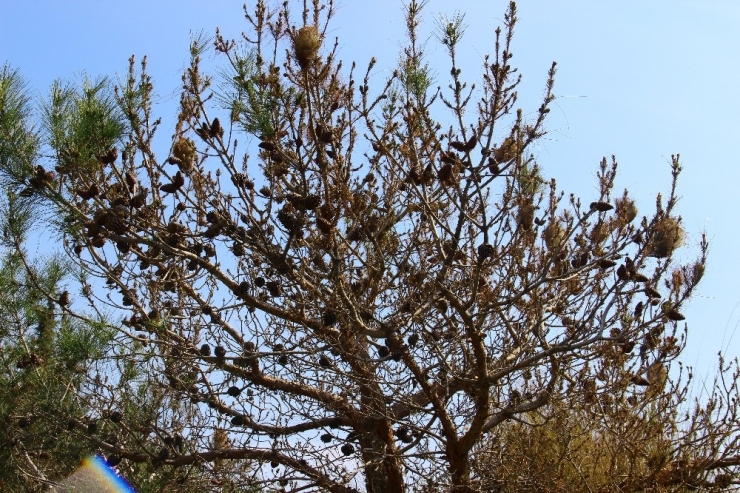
x,y
66,380
46,354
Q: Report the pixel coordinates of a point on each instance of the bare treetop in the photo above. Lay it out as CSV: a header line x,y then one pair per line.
x,y
363,294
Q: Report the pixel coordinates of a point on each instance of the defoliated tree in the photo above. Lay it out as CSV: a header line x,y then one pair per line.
x,y
364,297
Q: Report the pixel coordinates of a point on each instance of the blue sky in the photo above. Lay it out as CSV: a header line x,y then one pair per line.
x,y
640,80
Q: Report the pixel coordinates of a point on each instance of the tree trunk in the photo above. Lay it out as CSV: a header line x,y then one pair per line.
x,y
383,472
383,467
459,470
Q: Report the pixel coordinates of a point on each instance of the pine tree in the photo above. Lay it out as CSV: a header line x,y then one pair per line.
x,y
365,293
46,359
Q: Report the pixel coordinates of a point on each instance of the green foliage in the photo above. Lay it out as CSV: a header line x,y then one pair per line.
x,y
414,74
18,214
46,355
19,143
249,99
44,360
529,182
76,345
451,31
82,122
416,77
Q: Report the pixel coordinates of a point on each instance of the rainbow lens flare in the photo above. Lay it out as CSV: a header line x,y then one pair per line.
x,y
95,476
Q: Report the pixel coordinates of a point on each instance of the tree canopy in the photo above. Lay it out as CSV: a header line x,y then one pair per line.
x,y
331,282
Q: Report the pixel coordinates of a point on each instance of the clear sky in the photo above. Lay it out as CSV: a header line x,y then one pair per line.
x,y
640,80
